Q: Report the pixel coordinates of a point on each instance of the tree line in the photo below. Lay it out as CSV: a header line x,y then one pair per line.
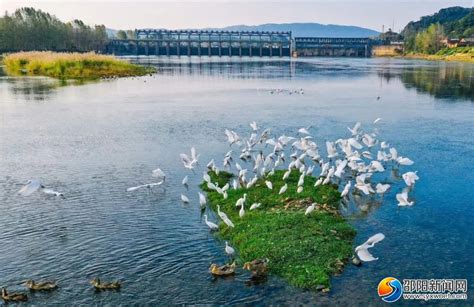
x,y
425,35
30,29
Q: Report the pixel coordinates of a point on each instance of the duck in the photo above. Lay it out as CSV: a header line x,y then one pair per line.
x,y
13,297
225,270
41,286
258,267
114,285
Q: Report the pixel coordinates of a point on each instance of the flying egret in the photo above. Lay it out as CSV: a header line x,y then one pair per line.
x,y
310,209
148,185
356,129
304,130
51,192
254,126
331,149
362,250
31,186
381,188
347,187
404,161
362,185
410,178
377,120
211,225
224,217
158,173
402,199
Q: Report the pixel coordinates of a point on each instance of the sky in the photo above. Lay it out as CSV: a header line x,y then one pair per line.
x,y
176,14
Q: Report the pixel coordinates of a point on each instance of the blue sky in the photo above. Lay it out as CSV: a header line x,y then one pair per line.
x,y
198,14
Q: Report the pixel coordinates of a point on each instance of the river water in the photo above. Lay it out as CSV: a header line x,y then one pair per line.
x,y
95,140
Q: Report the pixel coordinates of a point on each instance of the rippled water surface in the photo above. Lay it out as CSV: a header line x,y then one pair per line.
x,y
93,141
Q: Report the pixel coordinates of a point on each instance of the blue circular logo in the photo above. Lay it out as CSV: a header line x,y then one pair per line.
x,y
390,289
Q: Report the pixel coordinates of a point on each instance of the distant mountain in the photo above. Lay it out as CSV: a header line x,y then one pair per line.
x,y
308,29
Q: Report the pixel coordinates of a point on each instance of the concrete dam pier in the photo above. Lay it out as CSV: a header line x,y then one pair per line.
x,y
236,44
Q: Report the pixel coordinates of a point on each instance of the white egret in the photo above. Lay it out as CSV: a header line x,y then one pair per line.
x,y
31,186
402,199
229,250
377,120
362,250
241,200
254,126
224,217
410,178
148,185
202,200
283,189
242,211
362,185
310,209
304,130
255,206
51,192
381,188
184,199
269,184
299,189
211,225
347,187
185,181
404,161
158,173
356,129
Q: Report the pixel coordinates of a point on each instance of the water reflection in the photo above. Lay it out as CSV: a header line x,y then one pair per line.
x,y
441,81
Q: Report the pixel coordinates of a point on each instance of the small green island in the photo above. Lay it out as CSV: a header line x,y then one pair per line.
x,y
62,65
304,250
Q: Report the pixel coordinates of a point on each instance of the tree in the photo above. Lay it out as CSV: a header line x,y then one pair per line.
x,y
121,34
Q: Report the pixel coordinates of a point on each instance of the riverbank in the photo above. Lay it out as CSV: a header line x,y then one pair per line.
x,y
70,65
459,54
315,246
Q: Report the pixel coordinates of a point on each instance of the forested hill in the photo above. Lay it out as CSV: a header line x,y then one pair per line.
x,y
456,22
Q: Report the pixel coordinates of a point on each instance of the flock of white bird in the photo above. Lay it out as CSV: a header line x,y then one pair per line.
x,y
348,162
280,91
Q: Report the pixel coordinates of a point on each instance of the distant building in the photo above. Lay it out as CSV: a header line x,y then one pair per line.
x,y
390,36
466,42
450,42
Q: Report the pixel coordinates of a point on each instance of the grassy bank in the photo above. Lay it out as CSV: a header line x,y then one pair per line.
x,y
459,54
304,250
70,65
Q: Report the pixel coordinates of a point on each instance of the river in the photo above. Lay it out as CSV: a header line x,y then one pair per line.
x,y
95,140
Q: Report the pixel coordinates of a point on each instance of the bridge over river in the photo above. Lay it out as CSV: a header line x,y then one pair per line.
x,y
235,43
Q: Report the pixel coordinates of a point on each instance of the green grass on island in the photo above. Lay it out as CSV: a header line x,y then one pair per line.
x,y
70,65
304,250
